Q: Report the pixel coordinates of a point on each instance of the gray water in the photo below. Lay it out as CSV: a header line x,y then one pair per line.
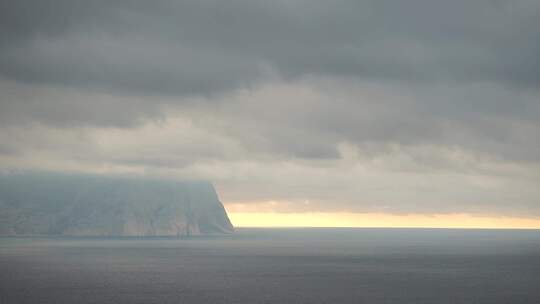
x,y
277,266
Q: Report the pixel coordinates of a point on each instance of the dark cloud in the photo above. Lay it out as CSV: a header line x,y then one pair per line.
x,y
317,116
203,47
68,107
104,62
8,150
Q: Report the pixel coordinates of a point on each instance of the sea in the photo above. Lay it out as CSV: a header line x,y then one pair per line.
x,y
279,265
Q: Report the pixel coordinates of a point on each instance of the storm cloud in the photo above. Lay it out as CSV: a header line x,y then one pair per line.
x,y
395,106
203,47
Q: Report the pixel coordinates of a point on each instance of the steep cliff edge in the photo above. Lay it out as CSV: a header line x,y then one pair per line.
x,y
95,205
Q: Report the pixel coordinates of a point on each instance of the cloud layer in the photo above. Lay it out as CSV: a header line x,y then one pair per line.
x,y
372,106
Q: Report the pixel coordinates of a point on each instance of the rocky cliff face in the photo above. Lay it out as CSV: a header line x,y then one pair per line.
x,y
92,205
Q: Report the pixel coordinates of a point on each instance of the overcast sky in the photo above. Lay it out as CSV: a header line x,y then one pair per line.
x,y
418,106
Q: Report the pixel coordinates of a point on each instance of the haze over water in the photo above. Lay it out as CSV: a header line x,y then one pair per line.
x,y
312,265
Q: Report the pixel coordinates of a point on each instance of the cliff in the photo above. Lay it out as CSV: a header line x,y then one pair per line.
x,y
95,205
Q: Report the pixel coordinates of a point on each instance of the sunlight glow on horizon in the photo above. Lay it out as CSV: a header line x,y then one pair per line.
x,y
379,220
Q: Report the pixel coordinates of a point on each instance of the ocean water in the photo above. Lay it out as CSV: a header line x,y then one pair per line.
x,y
277,266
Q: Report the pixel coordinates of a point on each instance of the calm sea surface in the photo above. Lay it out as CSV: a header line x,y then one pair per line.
x,y
277,266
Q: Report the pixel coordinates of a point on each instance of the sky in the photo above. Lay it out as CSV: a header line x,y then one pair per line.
x,y
300,112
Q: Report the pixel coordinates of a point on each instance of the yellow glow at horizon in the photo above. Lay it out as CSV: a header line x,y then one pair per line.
x,y
343,219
